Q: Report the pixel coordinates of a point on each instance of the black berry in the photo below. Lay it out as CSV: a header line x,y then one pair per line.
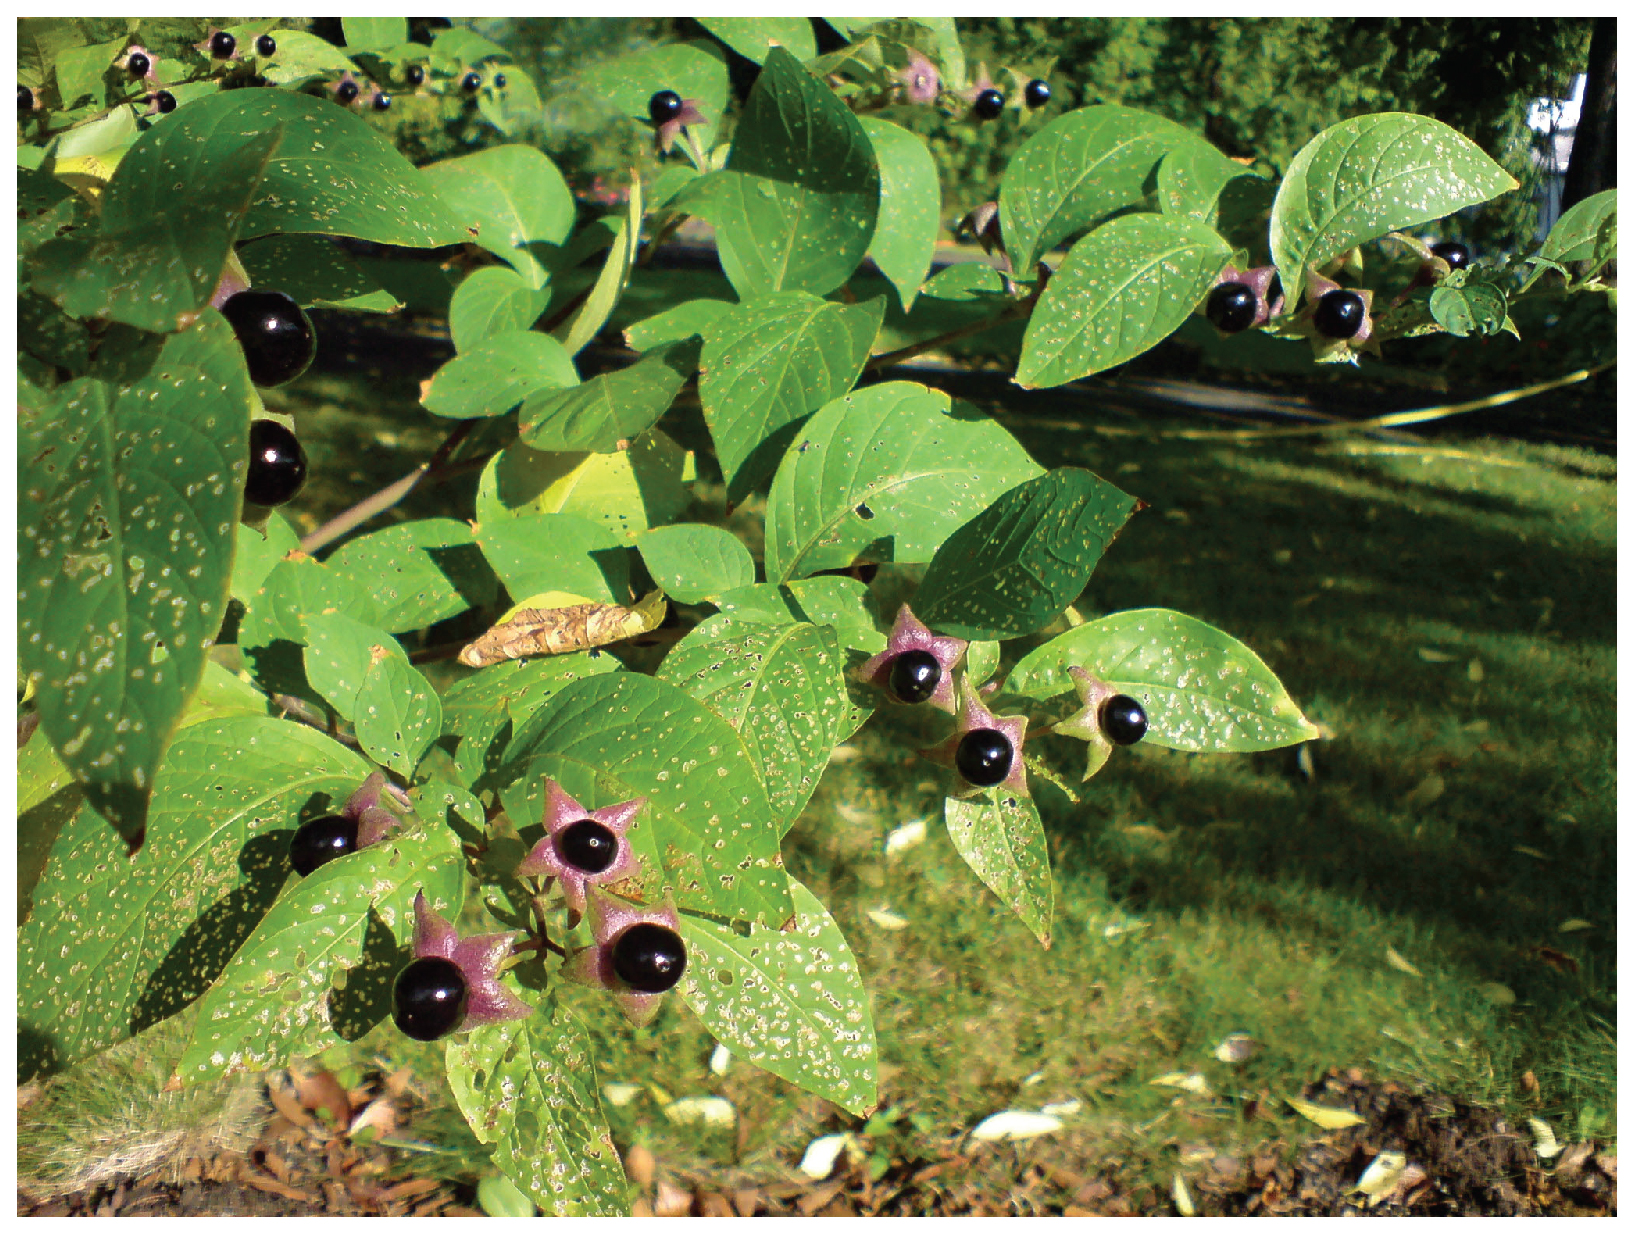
x,y
274,333
984,757
1122,719
664,106
277,464
1232,307
25,99
319,841
346,92
382,102
266,45
415,74
1339,314
989,104
165,102
429,999
1037,93
588,845
471,83
649,958
137,64
914,676
498,81
222,44
1453,254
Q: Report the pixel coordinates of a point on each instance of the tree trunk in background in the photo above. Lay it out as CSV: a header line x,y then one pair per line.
x,y
1593,155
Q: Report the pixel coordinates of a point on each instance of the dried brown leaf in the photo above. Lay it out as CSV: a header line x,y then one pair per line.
x,y
561,631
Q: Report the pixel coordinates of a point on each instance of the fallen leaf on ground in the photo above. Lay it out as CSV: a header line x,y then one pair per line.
x,y
1015,1124
1399,962
1322,1116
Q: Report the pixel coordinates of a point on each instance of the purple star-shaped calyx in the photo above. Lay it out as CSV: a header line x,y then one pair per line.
x,y
547,859
610,919
973,716
478,958
910,634
1084,724
1317,286
1256,280
921,82
670,128
374,806
152,62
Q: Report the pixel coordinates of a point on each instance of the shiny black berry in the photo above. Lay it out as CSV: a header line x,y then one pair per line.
x,y
664,106
164,101
1340,314
277,464
588,845
382,102
989,104
1453,254
266,45
414,74
346,92
1122,719
984,757
25,99
429,999
274,333
914,676
498,81
1232,307
319,841
1037,93
471,83
137,64
649,958
222,45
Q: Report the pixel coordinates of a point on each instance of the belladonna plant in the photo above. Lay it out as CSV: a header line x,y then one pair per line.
x,y
582,846
916,665
637,955
1105,720
984,749
452,985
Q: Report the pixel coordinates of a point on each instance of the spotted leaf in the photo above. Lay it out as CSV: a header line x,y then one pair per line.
x,y
1000,837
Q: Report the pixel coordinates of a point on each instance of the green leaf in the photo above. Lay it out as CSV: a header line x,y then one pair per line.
x,y
498,375
844,603
694,563
707,824
512,198
302,55
580,329
692,70
795,207
965,282
612,407
312,269
890,470
1191,177
1015,566
318,968
536,553
1474,308
1122,289
82,73
904,242
627,491
754,37
220,695
1079,170
1000,837
492,302
417,573
1365,177
339,651
149,935
398,714
374,33
1585,232
292,589
1202,690
529,1088
674,324
511,107
461,47
768,364
781,686
518,687
126,505
791,1003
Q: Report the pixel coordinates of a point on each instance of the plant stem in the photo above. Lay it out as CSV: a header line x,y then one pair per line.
x,y
388,496
889,358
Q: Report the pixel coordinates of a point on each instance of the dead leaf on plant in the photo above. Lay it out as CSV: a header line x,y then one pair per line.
x,y
561,630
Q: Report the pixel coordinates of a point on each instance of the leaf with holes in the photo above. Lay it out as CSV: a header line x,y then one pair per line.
x,y
1202,690
125,517
518,687
1122,289
685,319
1014,567
259,552
398,714
768,364
528,1087
1473,308
780,686
312,269
318,969
339,650
613,406
417,573
149,935
707,830
495,302
1365,177
904,242
694,563
844,603
790,1002
1000,837
891,470
498,375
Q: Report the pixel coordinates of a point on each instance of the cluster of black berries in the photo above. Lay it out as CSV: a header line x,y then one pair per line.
x,y
278,346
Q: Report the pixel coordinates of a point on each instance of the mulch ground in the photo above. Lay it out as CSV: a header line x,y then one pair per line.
x,y
1460,1160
